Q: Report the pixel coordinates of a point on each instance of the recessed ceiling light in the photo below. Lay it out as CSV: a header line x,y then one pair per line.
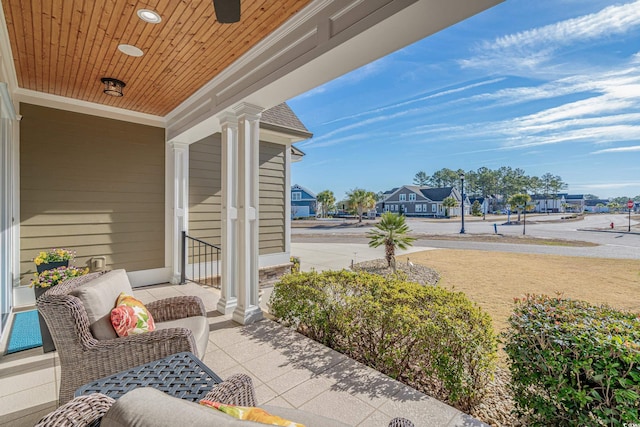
x,y
149,16
130,50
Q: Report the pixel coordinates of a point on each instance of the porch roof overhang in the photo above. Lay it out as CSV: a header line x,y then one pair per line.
x,y
323,40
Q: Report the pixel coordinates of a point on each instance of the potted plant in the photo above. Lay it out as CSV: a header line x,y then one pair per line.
x,y
52,277
53,258
44,281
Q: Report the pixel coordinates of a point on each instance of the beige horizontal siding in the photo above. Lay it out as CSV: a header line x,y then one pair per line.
x,y
93,185
205,194
272,198
205,190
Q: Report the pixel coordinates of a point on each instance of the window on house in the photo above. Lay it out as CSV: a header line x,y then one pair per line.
x,y
296,195
403,197
412,197
395,208
434,208
418,208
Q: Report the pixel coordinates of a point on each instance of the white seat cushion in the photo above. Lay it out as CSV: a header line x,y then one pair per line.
x,y
199,325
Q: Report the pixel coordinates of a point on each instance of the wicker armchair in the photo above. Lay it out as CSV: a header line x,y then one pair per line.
x,y
236,390
84,358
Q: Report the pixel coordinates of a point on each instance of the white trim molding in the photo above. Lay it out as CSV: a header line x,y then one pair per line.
x,y
75,105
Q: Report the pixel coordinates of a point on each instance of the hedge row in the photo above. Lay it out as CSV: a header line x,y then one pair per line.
x,y
422,336
574,364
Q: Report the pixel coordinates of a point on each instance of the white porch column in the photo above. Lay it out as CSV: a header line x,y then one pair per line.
x,y
229,171
287,200
247,309
179,204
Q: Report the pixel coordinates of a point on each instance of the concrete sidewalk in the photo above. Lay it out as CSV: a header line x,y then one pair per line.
x,y
336,256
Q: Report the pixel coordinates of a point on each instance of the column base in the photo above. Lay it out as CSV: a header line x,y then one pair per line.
x,y
226,306
176,279
247,316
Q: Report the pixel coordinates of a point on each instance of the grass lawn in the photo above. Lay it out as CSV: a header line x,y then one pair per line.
x,y
494,279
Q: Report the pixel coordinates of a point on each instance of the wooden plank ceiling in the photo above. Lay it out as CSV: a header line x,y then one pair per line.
x,y
64,47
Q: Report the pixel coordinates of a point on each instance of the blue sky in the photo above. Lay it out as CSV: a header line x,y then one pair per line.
x,y
546,86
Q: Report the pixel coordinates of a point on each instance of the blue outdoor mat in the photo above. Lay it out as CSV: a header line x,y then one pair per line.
x,y
25,332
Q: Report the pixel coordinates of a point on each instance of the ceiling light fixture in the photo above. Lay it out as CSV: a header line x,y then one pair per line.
x,y
113,86
130,50
149,16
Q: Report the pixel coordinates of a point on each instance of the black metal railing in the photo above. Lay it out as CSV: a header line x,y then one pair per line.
x,y
202,258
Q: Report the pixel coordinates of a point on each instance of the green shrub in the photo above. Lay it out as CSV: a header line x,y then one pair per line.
x,y
432,339
573,363
295,264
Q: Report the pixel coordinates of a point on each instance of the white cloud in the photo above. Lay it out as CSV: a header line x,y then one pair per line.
x,y
528,49
419,99
618,150
621,82
611,185
324,142
593,106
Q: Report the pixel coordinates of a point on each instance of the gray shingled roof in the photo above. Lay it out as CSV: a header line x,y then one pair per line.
x,y
281,117
436,194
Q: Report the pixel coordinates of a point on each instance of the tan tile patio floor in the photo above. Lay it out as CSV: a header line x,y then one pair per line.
x,y
287,369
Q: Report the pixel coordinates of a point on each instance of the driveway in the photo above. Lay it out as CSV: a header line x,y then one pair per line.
x,y
617,243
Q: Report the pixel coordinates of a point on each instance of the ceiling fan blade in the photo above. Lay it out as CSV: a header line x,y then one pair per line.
x,y
227,11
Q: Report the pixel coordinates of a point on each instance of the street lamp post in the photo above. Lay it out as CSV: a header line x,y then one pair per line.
x,y
462,196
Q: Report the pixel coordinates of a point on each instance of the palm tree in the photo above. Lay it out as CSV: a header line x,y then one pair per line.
x,y
391,232
520,202
327,201
360,200
613,206
448,203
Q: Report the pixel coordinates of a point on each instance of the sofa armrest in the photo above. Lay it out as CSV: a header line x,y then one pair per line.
x,y
236,390
175,308
83,410
169,341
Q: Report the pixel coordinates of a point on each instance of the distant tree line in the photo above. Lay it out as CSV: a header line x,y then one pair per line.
x,y
483,182
512,184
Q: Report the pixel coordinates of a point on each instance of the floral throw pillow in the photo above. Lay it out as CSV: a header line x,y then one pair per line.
x,y
131,317
250,413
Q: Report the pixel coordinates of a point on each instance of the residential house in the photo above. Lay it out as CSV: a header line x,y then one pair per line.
x,y
413,200
574,203
185,143
596,206
304,203
561,202
484,202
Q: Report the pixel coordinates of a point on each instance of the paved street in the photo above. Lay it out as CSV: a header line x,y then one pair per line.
x,y
617,243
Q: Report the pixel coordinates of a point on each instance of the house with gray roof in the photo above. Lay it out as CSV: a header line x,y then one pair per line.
x,y
561,202
421,201
303,202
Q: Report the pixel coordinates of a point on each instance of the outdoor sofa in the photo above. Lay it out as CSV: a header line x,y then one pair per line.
x,y
77,313
148,407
